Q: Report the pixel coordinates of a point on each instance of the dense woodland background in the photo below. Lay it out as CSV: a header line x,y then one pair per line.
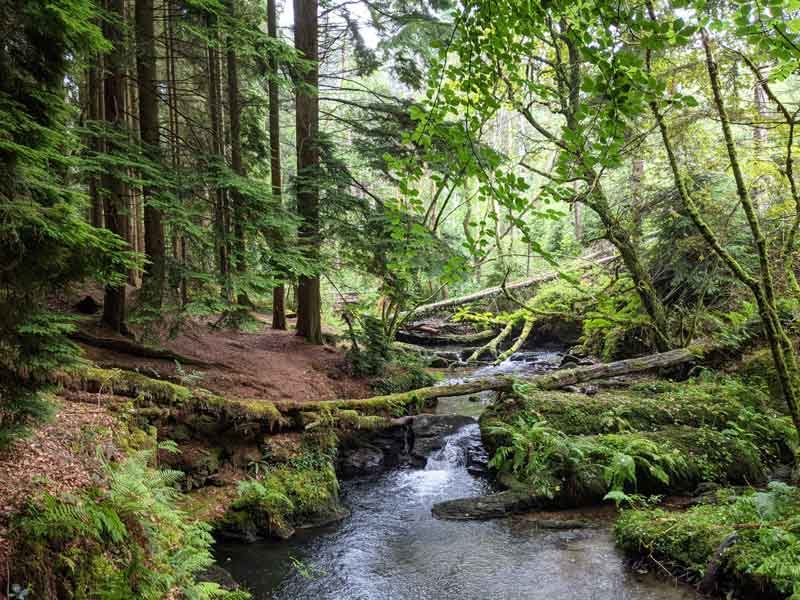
x,y
343,163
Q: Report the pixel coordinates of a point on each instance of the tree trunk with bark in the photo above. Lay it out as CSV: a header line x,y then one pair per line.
x,y
237,164
154,249
115,200
309,319
94,89
217,150
278,292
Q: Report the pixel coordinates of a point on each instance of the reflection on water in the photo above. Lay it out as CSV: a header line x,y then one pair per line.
x,y
392,548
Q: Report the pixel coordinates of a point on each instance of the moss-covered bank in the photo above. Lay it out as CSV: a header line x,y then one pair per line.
x,y
123,536
653,438
749,543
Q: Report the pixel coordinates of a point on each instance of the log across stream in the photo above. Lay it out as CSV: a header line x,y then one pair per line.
x,y
391,547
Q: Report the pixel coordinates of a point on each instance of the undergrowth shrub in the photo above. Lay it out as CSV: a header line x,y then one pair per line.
x,y
123,540
579,469
371,349
714,401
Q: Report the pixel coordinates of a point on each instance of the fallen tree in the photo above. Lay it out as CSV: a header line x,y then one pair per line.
x,y
409,337
259,416
492,292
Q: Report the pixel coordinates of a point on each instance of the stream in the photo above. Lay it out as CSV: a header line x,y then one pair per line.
x,y
391,548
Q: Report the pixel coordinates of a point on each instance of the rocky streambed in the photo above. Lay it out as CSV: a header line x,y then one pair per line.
x,y
392,547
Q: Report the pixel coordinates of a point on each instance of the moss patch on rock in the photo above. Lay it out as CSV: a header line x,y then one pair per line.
x,y
300,492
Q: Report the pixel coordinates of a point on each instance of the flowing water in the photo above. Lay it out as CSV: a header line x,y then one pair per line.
x,y
391,548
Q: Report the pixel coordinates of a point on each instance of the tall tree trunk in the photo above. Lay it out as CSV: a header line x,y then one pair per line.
x,y
178,234
95,93
217,149
278,292
154,271
235,124
115,201
309,319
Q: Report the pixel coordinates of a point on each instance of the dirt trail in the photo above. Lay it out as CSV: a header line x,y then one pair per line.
x,y
268,364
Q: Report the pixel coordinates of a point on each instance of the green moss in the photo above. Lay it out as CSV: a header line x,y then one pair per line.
x,y
124,383
369,413
579,470
302,491
721,403
764,555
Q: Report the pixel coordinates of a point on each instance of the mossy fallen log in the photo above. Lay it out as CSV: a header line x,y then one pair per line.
x,y
497,291
449,339
158,398
379,411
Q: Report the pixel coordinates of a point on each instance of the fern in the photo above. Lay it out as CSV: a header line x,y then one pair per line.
x,y
127,540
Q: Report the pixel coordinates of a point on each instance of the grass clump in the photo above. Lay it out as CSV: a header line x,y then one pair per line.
x,y
762,529
126,539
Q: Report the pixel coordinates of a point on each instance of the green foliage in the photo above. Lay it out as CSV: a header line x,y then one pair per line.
x,y
552,463
124,540
45,243
403,376
765,550
371,349
657,437
725,403
300,490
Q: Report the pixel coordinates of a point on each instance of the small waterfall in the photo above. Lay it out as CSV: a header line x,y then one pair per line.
x,y
454,454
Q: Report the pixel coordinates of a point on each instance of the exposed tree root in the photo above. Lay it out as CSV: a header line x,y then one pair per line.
x,y
134,349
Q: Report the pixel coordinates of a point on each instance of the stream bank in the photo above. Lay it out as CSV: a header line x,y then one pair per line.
x,y
391,546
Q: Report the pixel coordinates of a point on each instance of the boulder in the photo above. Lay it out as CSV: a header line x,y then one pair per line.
x,y
220,576
361,461
492,506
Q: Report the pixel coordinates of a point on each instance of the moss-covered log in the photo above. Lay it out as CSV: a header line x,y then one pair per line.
x,y
595,259
451,339
257,415
492,346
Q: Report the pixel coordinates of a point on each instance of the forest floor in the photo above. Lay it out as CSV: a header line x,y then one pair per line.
x,y
57,458
267,364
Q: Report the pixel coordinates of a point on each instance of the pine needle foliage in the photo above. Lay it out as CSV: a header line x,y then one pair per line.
x,y
45,243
